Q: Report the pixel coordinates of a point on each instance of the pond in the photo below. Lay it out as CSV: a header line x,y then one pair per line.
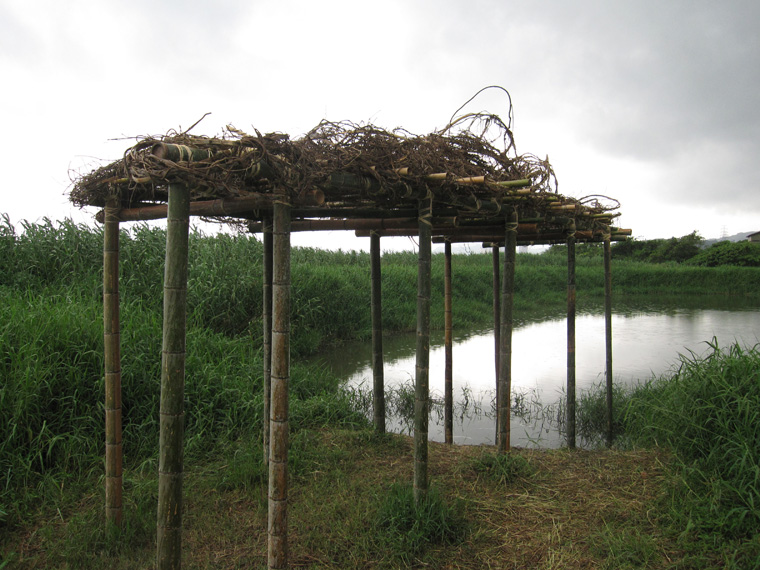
x,y
648,337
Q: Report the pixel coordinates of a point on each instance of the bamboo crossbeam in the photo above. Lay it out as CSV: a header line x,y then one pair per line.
x,y
471,231
367,226
179,152
464,237
216,208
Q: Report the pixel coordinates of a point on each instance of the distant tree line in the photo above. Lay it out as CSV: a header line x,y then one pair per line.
x,y
689,249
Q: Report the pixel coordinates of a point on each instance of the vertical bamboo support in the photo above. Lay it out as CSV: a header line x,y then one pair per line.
x,y
267,326
422,379
496,328
448,414
608,331
378,379
278,425
505,347
171,438
111,341
571,337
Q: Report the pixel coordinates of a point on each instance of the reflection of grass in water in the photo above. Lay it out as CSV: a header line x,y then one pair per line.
x,y
538,417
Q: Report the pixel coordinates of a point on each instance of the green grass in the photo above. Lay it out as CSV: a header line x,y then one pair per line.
x,y
707,414
51,365
405,527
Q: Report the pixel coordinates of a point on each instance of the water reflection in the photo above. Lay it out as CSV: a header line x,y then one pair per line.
x,y
648,337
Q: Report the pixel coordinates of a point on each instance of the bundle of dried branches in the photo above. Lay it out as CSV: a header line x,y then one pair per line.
x,y
353,164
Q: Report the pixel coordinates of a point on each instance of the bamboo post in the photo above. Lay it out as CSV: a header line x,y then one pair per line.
x,y
111,341
505,348
278,424
448,414
496,328
422,371
571,337
378,386
171,438
608,331
267,326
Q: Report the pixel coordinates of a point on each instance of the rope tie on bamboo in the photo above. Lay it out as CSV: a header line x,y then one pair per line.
x,y
427,218
606,236
511,226
571,232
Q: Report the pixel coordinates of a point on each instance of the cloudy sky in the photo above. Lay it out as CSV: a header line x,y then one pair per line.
x,y
654,103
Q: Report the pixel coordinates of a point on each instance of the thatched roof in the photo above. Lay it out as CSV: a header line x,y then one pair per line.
x,y
343,170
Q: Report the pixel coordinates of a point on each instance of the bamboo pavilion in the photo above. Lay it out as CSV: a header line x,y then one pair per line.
x,y
460,184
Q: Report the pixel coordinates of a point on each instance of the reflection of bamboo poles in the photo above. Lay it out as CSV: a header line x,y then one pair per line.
x,y
111,337
448,415
378,378
422,369
171,438
278,425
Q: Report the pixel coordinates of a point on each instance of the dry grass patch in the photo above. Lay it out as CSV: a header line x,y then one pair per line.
x,y
581,509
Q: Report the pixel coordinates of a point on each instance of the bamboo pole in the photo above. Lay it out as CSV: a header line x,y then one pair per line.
x,y
367,225
422,371
496,327
240,205
112,357
378,379
505,348
267,330
571,338
448,413
608,332
171,438
278,425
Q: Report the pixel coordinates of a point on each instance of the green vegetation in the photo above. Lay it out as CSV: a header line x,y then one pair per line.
x,y
51,402
689,249
707,415
405,528
741,254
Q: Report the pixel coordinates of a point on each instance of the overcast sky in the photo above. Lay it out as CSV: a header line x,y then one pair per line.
x,y
654,103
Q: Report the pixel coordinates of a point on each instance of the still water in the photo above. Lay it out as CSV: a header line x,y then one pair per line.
x,y
648,337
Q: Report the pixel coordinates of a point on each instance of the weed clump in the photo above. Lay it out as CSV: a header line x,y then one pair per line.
x,y
707,415
503,468
406,528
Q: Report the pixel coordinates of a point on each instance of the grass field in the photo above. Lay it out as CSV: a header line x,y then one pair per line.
x,y
51,439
